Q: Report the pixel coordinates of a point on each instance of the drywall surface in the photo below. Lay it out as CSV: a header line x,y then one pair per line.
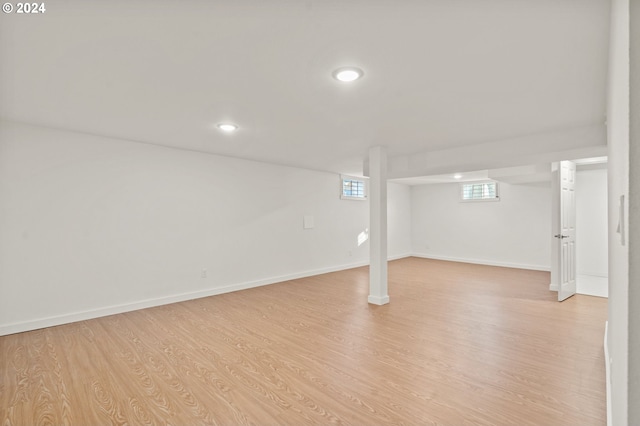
x,y
514,231
591,223
92,226
398,219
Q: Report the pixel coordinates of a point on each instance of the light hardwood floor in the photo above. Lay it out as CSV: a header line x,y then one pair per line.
x,y
459,344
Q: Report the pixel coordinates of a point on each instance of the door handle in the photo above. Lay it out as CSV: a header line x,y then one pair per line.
x,y
561,236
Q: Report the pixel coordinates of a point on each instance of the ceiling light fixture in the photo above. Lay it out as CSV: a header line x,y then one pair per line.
x,y
457,176
227,127
348,74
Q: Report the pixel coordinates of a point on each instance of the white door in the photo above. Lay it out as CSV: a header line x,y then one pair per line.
x,y
567,236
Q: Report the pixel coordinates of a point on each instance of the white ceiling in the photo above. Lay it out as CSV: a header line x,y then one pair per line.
x,y
438,74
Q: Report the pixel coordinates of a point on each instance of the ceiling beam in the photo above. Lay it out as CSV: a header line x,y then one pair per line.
x,y
569,144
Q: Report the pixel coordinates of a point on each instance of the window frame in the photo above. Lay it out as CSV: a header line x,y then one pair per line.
x,y
365,187
481,200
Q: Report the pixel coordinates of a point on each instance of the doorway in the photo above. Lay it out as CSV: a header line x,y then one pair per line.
x,y
591,228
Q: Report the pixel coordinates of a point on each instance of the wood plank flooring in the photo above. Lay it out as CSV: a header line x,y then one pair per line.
x,y
459,344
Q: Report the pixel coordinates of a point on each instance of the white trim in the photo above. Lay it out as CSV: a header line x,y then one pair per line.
x,y
480,200
484,262
553,287
594,274
19,327
607,375
374,300
398,256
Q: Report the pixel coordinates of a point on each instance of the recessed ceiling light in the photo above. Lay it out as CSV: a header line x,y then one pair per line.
x,y
227,127
348,74
457,176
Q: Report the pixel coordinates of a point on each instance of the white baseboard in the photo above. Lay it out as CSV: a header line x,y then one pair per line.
x,y
398,256
553,287
374,300
593,274
484,262
607,369
19,327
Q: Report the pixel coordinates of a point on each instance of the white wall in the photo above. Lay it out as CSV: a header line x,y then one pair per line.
x,y
398,220
591,223
514,231
618,185
91,226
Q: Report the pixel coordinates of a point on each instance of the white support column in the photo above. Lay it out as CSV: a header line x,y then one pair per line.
x,y
378,226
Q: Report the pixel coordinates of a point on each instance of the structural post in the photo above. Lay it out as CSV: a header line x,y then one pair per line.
x,y
378,226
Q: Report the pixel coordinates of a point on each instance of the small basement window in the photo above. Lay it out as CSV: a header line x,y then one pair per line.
x,y
479,191
353,188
